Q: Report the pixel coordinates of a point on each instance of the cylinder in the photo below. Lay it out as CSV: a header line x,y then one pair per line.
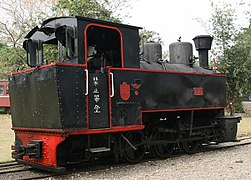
x,y
152,51
180,52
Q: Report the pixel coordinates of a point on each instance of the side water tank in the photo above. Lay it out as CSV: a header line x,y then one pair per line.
x,y
152,51
180,53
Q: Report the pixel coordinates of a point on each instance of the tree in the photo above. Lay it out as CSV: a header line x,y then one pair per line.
x,y
20,16
223,25
236,63
152,36
148,36
9,61
98,9
231,49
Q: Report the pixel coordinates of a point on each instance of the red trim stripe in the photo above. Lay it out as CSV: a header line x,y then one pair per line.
x,y
112,130
46,66
67,132
183,109
162,71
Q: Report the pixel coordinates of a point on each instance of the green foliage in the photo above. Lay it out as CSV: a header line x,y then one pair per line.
x,y
86,8
10,60
50,52
231,49
22,16
236,63
223,25
148,36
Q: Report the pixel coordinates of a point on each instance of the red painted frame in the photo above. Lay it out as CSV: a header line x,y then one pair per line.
x,y
79,131
49,147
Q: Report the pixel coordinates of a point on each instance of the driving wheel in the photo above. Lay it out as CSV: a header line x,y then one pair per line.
x,y
163,150
189,147
132,146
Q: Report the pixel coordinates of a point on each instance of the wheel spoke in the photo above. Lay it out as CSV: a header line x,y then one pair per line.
x,y
189,147
162,150
131,154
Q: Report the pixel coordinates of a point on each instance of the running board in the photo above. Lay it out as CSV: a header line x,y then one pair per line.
x,y
39,166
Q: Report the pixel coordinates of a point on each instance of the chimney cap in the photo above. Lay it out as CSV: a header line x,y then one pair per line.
x,y
203,42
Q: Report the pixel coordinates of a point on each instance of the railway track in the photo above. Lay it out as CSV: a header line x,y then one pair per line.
x,y
13,170
239,142
12,167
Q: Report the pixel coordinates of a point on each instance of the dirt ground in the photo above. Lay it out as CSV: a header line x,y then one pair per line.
x,y
6,138
7,135
244,128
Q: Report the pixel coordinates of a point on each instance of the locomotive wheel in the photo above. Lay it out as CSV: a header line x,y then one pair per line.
x,y
163,150
132,146
189,147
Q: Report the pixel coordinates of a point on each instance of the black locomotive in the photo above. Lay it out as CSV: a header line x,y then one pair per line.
x,y
98,97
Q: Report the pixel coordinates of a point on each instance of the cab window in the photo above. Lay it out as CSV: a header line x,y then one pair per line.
x,y
103,48
54,45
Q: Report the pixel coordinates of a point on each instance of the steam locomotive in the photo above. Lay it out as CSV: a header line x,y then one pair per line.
x,y
90,93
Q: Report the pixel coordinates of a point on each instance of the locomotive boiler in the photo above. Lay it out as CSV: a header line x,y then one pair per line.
x,y
90,94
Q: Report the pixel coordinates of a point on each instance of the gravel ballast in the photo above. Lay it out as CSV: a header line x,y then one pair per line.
x,y
230,163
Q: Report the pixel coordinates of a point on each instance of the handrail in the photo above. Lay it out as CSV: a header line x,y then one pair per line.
x,y
86,82
112,81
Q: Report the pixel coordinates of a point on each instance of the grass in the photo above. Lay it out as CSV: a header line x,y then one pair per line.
x,y
244,128
6,138
7,135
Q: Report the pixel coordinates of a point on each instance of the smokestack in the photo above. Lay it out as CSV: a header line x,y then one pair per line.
x,y
202,44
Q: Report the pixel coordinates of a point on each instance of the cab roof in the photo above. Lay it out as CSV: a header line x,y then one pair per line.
x,y
54,22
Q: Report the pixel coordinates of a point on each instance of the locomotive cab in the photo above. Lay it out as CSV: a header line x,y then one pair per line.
x,y
75,40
